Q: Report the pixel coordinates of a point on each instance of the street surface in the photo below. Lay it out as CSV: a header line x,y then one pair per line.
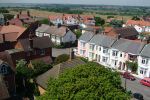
x,y
136,87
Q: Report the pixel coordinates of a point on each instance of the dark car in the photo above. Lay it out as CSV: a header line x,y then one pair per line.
x,y
127,75
138,96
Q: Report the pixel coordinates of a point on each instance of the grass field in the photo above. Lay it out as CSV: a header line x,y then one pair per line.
x,y
45,14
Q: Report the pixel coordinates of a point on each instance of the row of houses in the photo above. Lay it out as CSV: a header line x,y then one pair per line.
x,y
72,19
113,52
139,25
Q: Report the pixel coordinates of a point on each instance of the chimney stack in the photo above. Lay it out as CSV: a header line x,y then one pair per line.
x,y
71,54
3,35
118,36
31,40
20,12
28,13
17,15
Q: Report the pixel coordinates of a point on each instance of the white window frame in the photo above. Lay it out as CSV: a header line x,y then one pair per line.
x,y
144,61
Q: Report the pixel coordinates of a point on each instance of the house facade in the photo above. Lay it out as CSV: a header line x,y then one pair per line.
x,y
57,34
83,46
99,48
56,20
144,62
124,50
140,26
115,52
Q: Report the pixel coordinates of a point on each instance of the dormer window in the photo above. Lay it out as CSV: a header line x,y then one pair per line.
x,y
4,69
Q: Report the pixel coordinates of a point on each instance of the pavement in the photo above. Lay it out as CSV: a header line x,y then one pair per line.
x,y
136,87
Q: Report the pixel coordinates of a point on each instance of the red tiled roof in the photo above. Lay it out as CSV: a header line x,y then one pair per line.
x,y
140,23
15,21
54,17
23,16
107,29
11,32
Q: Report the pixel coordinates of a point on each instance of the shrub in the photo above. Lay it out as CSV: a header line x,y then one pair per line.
x,y
61,58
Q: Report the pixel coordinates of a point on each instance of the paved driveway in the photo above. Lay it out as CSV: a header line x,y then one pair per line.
x,y
136,87
57,52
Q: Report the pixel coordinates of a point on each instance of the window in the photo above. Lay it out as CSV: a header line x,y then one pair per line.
x,y
114,53
82,52
144,61
82,44
91,55
91,47
105,50
143,71
42,52
120,54
99,48
104,59
96,47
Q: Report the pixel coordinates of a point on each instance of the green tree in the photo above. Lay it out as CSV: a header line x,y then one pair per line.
x,y
78,33
132,65
99,21
22,69
8,16
45,21
116,23
61,58
135,18
40,67
86,82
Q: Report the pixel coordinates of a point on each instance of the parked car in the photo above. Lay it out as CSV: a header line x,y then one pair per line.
x,y
127,75
145,81
138,96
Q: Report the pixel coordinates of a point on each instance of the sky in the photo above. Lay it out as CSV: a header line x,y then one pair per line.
x,y
105,2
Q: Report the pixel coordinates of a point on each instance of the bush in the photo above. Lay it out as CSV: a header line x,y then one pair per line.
x,y
61,58
132,65
40,67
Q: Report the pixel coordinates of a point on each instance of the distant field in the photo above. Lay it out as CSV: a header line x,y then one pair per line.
x,y
45,14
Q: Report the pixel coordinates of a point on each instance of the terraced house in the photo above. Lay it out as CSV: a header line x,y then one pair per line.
x,y
115,52
144,62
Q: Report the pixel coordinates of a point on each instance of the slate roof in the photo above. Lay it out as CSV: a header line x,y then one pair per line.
x,y
4,94
54,30
102,40
56,70
86,36
38,43
124,32
128,46
146,51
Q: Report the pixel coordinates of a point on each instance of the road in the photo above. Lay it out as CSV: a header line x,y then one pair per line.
x,y
136,87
